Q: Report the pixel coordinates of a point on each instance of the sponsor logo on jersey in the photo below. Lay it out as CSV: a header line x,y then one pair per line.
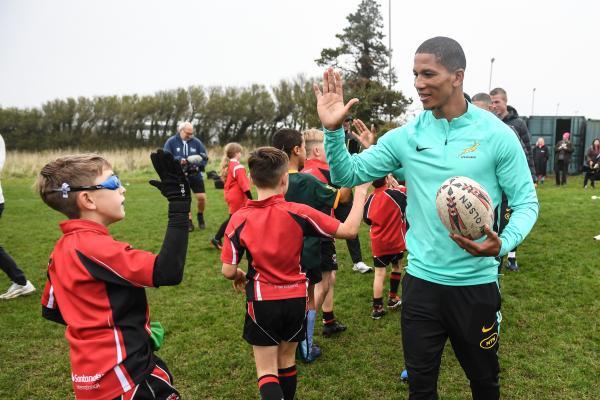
x,y
469,150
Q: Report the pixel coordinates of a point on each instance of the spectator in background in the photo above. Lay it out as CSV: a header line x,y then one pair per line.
x,y
591,166
562,157
183,145
20,285
540,159
510,117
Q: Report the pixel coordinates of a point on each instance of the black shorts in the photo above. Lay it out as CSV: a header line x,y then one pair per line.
x,y
384,261
269,322
196,184
328,256
157,385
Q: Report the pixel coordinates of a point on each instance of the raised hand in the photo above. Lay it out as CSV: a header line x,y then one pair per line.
x,y
366,137
330,102
173,183
490,247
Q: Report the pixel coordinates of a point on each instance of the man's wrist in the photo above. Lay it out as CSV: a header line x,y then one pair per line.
x,y
333,129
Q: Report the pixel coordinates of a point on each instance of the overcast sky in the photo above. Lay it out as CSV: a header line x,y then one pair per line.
x,y
61,48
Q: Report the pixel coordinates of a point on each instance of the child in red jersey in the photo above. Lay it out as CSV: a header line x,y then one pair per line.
x,y
271,231
237,186
385,213
96,284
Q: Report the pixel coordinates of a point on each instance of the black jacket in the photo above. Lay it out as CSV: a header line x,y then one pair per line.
x,y
519,126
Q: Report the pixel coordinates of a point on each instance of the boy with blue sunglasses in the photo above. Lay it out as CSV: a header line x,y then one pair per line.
x,y
96,284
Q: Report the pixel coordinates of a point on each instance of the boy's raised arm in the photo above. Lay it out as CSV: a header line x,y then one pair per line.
x,y
168,268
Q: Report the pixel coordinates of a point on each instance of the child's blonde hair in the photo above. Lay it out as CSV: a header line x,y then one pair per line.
x,y
312,138
230,150
74,170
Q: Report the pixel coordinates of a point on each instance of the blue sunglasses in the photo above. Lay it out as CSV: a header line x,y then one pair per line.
x,y
112,183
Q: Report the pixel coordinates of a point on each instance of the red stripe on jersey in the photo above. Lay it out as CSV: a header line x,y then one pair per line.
x,y
236,186
274,272
388,225
162,374
315,168
251,311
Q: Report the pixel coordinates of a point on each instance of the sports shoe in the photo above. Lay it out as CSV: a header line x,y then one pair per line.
x,y
394,302
308,356
202,225
191,226
216,243
513,266
404,376
315,351
378,312
361,267
332,328
16,290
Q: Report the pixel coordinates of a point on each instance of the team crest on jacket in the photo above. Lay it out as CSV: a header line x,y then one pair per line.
x,y
469,151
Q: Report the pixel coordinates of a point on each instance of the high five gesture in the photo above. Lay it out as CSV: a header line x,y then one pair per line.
x,y
330,102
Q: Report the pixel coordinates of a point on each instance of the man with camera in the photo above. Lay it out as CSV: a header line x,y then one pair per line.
x,y
192,155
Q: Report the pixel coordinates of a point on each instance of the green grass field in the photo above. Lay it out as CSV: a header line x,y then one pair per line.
x,y
549,347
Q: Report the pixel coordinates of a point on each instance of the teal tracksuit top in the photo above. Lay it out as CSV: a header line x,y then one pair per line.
x,y
477,145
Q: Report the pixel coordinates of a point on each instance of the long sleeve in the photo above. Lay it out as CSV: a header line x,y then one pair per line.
x,y
351,170
514,179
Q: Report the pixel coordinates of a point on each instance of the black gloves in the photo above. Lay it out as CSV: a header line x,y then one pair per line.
x,y
173,183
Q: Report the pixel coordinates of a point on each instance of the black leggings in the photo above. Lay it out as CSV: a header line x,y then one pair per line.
x,y
221,232
8,265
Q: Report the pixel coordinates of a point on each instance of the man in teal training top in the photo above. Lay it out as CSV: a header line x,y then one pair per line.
x,y
450,290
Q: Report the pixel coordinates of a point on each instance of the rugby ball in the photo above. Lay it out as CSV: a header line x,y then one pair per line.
x,y
464,207
195,159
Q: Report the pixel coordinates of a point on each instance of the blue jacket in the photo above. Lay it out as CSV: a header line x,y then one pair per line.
x,y
183,149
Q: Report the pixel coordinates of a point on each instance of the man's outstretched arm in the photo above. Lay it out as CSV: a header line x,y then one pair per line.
x,y
348,171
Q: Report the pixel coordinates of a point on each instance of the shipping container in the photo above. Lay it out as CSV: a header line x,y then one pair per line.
x,y
551,128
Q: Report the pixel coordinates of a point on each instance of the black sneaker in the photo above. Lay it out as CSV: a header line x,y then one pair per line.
x,y
333,328
216,243
191,226
513,266
202,225
378,312
394,302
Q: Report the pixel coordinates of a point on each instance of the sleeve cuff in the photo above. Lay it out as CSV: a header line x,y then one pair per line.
x,y
338,130
504,249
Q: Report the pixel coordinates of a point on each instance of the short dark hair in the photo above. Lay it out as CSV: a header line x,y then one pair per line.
x,y
286,139
448,52
377,183
267,165
74,170
483,97
499,91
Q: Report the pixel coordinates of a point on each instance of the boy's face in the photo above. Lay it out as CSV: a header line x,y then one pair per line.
x,y
301,154
109,203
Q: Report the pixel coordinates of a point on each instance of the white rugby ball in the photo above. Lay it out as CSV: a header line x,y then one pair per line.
x,y
195,159
464,207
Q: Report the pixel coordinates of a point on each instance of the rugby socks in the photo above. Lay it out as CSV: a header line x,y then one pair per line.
x,y
377,302
311,316
328,317
288,379
394,283
200,218
269,388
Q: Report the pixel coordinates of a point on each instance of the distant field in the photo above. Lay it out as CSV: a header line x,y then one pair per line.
x,y
550,338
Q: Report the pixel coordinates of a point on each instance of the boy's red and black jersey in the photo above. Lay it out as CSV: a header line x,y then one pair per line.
x,y
385,212
319,169
271,233
236,185
97,284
